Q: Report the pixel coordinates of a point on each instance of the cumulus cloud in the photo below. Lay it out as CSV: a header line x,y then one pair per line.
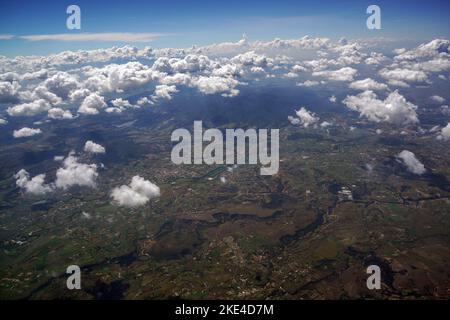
x,y
304,118
332,99
212,85
144,101
29,109
445,133
120,77
445,110
298,68
251,59
59,114
437,99
290,75
325,124
26,132
375,58
41,92
79,94
308,83
40,74
9,91
398,83
163,92
368,84
191,63
426,50
91,104
119,105
84,77
74,173
411,163
404,75
394,109
3,121
343,74
35,185
61,84
137,193
93,147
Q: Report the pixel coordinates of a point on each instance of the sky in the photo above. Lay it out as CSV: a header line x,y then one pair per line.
x,y
185,23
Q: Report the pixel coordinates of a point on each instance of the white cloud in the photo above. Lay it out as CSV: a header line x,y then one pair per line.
x,y
305,42
29,109
375,58
431,49
36,185
398,83
91,104
61,84
73,173
59,114
332,99
143,101
164,92
293,120
368,84
106,36
6,36
308,83
434,65
93,147
3,121
298,68
251,59
394,109
411,162
120,77
138,193
437,99
121,103
399,51
191,63
445,110
233,70
42,92
212,85
290,75
79,94
8,91
404,75
26,132
40,74
343,74
305,118
445,133
10,77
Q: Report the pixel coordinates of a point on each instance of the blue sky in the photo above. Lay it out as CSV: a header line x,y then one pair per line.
x,y
184,23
